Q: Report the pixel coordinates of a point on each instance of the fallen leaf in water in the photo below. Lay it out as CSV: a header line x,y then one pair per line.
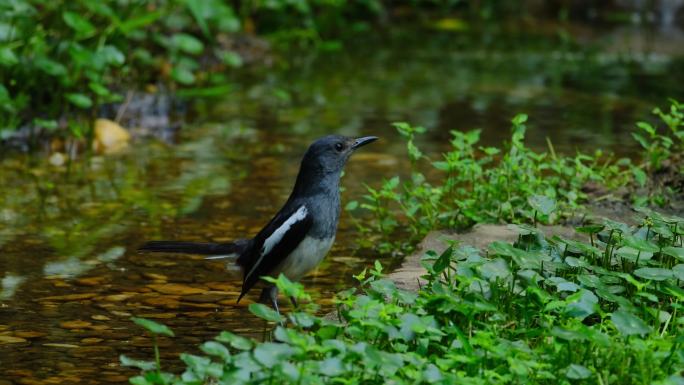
x,y
110,137
77,324
69,297
100,317
175,289
11,340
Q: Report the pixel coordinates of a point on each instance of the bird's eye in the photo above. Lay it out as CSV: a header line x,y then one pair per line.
x,y
339,146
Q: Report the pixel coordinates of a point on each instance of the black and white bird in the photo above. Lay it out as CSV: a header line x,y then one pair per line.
x,y
300,235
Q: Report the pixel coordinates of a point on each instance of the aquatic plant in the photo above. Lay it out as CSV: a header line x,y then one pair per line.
x,y
543,310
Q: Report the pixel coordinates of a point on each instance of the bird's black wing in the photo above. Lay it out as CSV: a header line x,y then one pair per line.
x,y
274,243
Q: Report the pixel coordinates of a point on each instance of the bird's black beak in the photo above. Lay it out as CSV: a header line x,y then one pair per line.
x,y
358,142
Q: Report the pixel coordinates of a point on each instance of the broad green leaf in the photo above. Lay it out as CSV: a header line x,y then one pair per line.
x,y
628,324
187,43
640,244
581,304
153,327
269,354
50,66
214,348
79,100
542,204
142,365
677,252
80,25
577,372
7,57
182,75
654,273
678,271
236,341
232,59
264,312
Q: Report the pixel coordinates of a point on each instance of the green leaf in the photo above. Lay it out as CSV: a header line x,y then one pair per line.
x,y
79,100
80,25
182,75
269,354
542,204
142,365
48,124
98,89
214,348
581,304
236,341
153,327
112,55
678,272
628,324
187,43
139,380
7,57
264,312
50,66
232,59
677,252
654,273
577,372
351,206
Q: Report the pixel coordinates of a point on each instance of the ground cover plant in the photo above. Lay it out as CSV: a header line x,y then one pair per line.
x,y
543,310
516,184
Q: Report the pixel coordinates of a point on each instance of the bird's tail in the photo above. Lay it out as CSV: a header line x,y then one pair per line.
x,y
215,250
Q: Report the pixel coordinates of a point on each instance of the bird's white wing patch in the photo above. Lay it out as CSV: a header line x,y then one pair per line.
x,y
278,235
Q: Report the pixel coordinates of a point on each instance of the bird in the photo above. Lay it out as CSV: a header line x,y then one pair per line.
x,y
299,235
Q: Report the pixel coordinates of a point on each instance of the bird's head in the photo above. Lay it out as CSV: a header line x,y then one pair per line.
x,y
329,154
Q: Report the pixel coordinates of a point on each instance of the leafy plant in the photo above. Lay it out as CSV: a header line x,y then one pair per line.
x,y
541,311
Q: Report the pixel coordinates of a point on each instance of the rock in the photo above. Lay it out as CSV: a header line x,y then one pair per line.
x,y
90,281
208,297
175,289
100,317
77,324
156,277
163,302
67,346
110,137
118,297
407,277
158,315
68,297
11,340
120,313
91,341
29,334
57,159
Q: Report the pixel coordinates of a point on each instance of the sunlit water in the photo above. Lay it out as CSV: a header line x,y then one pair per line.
x,y
70,278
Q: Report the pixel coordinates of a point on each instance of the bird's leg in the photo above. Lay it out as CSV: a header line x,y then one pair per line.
x,y
269,295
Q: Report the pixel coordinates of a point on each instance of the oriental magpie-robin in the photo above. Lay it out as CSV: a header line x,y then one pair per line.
x,y
299,236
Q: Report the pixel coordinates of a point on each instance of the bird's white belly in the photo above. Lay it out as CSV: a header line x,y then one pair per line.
x,y
305,257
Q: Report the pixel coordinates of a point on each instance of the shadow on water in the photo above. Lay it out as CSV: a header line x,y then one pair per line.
x,y
70,278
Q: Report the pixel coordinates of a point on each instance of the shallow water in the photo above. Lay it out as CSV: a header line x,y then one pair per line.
x,y
70,278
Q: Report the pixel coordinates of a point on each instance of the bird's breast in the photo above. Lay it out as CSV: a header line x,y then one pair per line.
x,y
305,257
